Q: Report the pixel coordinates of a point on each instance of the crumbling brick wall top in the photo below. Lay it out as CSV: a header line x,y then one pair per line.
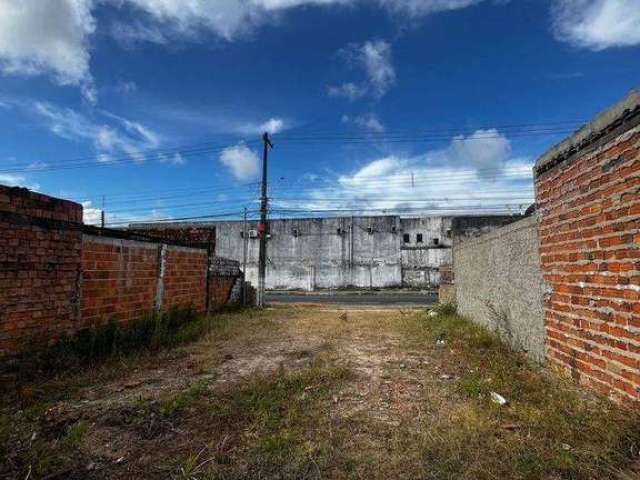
x,y
25,202
605,126
224,267
194,235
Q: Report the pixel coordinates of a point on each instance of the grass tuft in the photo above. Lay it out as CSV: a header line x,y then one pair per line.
x,y
553,429
92,346
74,435
183,399
285,414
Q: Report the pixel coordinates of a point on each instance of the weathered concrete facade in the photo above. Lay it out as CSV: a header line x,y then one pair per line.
x,y
499,283
361,252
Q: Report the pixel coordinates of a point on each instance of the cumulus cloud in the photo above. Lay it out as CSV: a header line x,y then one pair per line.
x,y
448,178
485,150
597,24
48,37
53,37
241,161
375,60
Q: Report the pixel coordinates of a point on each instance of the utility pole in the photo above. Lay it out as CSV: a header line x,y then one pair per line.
x,y
245,240
102,213
263,230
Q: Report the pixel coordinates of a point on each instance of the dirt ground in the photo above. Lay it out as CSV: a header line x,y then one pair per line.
x,y
314,393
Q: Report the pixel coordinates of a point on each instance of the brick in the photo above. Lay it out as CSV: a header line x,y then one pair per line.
x,y
589,221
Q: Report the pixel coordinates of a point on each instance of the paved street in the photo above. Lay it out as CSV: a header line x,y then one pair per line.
x,y
357,298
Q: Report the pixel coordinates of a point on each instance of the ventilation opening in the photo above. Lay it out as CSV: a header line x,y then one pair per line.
x,y
406,238
419,238
436,241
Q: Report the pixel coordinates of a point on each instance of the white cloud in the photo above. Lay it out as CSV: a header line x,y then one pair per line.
x,y
597,24
273,125
48,37
242,161
53,37
126,87
347,90
111,135
230,19
175,159
11,180
368,121
478,169
374,59
93,216
485,150
426,7
130,34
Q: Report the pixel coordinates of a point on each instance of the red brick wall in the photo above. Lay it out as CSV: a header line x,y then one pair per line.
x,y
185,279
119,279
40,241
54,278
589,203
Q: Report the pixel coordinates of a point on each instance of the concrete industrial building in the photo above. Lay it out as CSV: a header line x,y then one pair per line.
x,y
360,252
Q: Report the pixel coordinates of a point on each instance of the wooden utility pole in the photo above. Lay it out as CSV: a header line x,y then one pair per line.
x,y
102,213
245,240
263,229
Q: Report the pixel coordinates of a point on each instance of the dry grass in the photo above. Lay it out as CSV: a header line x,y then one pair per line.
x,y
310,393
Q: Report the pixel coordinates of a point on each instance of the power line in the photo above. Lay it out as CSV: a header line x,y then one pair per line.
x,y
132,158
134,222
143,155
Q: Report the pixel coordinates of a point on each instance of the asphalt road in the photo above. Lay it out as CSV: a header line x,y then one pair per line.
x,y
391,299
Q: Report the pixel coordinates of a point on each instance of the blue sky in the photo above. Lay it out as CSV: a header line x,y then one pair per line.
x,y
392,105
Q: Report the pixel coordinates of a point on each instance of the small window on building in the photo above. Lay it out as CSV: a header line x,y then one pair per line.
x,y
370,230
406,238
241,234
436,241
419,238
449,233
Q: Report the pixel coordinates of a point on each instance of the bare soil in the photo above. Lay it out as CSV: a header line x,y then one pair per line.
x,y
313,393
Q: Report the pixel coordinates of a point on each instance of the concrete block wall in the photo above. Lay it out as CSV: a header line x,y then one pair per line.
x,y
588,196
499,284
40,246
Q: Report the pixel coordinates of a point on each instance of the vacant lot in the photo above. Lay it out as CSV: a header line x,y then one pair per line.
x,y
314,393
